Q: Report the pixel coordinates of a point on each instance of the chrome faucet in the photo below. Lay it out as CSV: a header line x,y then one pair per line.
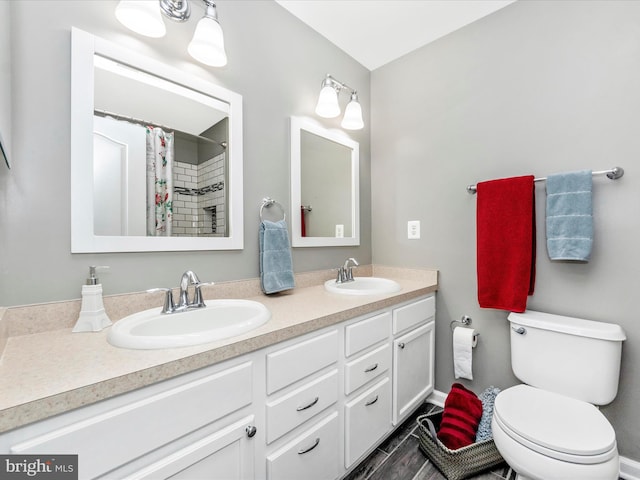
x,y
345,273
188,279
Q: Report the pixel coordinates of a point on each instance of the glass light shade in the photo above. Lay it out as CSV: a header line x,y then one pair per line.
x,y
141,16
328,106
207,45
352,119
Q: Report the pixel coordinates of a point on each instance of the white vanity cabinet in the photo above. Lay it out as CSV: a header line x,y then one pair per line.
x,y
307,408
193,422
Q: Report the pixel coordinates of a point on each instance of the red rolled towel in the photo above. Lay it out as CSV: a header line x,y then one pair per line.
x,y
461,417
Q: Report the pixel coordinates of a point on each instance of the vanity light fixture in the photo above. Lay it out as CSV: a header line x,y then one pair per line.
x,y
207,45
142,17
328,106
145,17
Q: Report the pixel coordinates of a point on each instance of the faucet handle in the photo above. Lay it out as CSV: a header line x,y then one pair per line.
x,y
198,302
168,306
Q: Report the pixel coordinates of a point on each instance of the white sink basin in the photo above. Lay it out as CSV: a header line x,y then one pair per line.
x,y
363,286
220,319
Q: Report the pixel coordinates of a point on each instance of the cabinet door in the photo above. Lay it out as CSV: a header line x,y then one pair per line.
x,y
412,370
227,454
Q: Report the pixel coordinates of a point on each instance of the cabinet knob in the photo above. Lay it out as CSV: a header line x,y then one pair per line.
x,y
401,344
251,430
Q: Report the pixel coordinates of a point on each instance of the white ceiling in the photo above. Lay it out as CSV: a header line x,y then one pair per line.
x,y
375,32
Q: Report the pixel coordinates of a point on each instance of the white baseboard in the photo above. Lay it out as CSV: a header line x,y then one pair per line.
x,y
629,469
437,398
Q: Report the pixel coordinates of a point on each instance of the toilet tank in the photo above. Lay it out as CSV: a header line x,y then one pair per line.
x,y
571,356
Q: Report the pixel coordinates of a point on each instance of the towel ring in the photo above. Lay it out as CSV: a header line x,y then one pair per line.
x,y
268,202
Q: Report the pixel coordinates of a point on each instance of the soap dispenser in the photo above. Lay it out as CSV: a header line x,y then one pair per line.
x,y
92,317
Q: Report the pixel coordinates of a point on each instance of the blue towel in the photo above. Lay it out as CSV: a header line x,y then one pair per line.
x,y
488,398
570,216
276,267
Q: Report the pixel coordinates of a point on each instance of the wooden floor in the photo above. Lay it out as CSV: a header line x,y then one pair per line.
x,y
399,458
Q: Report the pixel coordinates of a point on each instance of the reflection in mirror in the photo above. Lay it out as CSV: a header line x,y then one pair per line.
x,y
324,186
166,168
183,170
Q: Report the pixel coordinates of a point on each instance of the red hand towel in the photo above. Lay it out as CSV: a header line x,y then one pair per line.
x,y
303,225
506,241
460,418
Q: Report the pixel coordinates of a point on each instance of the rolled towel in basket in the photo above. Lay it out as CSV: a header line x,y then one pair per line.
x,y
460,418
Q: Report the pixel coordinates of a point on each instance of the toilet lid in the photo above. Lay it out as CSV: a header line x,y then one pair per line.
x,y
555,422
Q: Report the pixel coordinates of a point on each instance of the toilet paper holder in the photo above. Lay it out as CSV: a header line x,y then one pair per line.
x,y
465,321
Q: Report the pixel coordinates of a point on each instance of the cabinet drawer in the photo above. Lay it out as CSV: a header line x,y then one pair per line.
x,y
364,368
367,419
293,363
366,333
413,314
311,456
100,443
293,409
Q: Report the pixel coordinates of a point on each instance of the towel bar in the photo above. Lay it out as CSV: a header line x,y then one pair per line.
x,y
268,202
612,174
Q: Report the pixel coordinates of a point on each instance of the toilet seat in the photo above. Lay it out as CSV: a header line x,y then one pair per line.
x,y
555,425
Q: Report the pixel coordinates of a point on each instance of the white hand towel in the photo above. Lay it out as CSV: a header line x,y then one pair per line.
x,y
463,342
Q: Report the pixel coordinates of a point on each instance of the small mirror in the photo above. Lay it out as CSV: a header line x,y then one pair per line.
x,y
156,155
324,186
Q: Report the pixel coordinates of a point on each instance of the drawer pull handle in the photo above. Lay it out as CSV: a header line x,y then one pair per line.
x,y
302,451
251,430
371,368
401,345
371,402
313,402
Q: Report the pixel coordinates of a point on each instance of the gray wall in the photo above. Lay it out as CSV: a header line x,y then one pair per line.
x,y
5,79
536,88
275,62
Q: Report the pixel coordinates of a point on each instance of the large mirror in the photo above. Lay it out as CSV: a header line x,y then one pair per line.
x,y
156,155
324,186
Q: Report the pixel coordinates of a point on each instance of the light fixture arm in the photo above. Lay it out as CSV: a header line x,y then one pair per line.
x,y
176,10
210,10
330,81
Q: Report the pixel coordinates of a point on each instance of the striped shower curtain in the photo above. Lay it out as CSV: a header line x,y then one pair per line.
x,y
160,155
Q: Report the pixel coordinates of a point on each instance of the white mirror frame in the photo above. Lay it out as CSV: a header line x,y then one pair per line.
x,y
83,240
297,240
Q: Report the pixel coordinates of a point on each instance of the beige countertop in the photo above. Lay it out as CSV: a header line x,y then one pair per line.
x,y
50,372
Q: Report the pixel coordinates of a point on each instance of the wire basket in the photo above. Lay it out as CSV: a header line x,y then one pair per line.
x,y
455,464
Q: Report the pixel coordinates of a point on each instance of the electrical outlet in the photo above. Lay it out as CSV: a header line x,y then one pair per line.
x,y
339,231
413,229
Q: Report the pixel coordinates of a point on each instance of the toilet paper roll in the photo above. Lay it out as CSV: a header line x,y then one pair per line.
x,y
464,339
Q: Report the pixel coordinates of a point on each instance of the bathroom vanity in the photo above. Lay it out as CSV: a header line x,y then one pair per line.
x,y
310,406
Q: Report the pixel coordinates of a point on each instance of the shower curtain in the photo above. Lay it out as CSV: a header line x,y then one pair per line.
x,y
160,155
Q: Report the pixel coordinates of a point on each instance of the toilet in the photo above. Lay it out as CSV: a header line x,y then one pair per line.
x,y
549,428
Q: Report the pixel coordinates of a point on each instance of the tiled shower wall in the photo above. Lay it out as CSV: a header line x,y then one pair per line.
x,y
192,214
